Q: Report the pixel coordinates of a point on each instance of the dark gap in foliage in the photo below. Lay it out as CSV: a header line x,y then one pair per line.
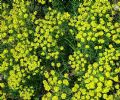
x,y
113,1
36,81
116,17
73,79
39,8
30,37
9,2
46,62
67,46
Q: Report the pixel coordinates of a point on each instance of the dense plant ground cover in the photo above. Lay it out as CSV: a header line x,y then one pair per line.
x,y
60,50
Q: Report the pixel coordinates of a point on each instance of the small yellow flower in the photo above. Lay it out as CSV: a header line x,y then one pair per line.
x,y
56,89
87,46
66,15
63,96
91,85
95,65
74,89
52,72
107,74
65,82
25,15
46,74
116,79
105,96
59,82
58,64
66,75
61,48
55,98
91,93
101,68
117,86
53,64
49,94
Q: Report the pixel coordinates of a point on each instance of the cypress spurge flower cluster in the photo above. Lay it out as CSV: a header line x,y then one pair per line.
x,y
51,54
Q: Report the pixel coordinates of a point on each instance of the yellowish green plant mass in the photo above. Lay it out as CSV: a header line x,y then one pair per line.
x,y
60,50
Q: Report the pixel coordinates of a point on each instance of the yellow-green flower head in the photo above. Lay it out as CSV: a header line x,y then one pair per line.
x,y
63,96
66,15
66,82
55,98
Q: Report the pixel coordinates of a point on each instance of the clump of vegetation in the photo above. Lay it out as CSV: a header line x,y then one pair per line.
x,y
60,50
